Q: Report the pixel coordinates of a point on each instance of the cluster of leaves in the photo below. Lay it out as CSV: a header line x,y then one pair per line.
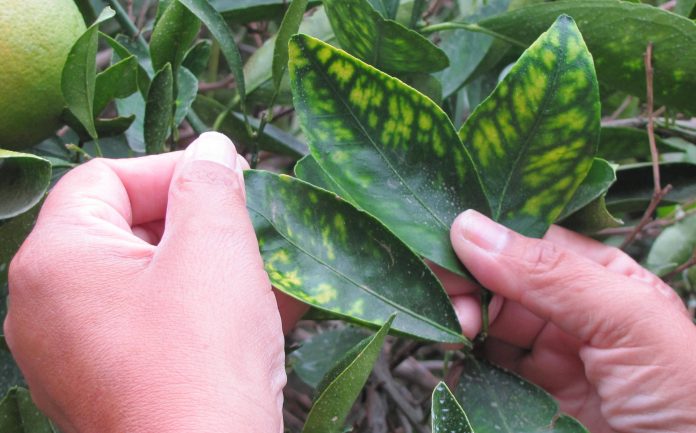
x,y
529,112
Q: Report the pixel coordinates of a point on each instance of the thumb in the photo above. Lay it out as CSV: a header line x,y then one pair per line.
x,y
207,222
580,296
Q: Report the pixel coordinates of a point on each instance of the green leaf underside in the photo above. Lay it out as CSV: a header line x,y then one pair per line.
x,y
592,218
601,176
497,401
18,414
244,11
187,89
79,74
196,59
288,27
674,246
447,415
120,80
24,179
324,252
390,148
534,138
619,60
13,231
386,8
158,111
173,34
383,43
335,401
309,170
314,359
222,33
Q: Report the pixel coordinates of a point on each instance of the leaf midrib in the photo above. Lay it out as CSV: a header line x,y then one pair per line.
x,y
372,142
535,126
356,284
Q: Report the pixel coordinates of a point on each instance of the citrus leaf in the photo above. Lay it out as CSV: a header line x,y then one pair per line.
x,y
466,50
310,171
24,179
273,139
619,61
386,8
122,51
158,111
634,186
601,176
18,414
289,26
314,359
187,89
222,33
197,57
447,415
79,75
674,246
497,401
534,138
390,148
686,8
119,80
244,11
619,144
383,43
331,408
172,36
324,252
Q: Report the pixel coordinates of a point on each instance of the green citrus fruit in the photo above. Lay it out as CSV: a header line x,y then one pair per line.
x,y
36,38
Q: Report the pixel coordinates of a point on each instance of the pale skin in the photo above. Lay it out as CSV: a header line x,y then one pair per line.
x,y
139,303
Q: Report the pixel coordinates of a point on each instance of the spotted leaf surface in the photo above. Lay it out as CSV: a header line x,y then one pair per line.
x,y
393,150
497,401
617,33
383,43
309,170
534,138
321,250
447,415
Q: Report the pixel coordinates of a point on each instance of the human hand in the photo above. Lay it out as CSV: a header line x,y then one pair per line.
x,y
121,324
611,341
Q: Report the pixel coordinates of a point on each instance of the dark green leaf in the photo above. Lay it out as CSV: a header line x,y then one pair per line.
x,y
686,8
187,85
222,33
497,401
621,144
289,26
314,359
10,375
309,170
24,179
158,111
80,73
134,105
113,126
333,404
674,246
124,48
87,11
244,11
447,415
386,8
120,80
534,138
383,43
592,218
390,148
273,138
426,84
18,414
197,57
619,61
324,252
601,176
466,50
172,36
634,186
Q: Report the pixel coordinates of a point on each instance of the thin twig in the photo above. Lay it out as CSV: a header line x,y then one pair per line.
x,y
624,105
668,6
681,268
217,85
653,225
658,191
397,394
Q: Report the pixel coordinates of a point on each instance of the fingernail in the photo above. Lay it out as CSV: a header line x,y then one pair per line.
x,y
214,147
483,232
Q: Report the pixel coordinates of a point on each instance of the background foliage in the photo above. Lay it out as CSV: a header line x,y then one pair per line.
x,y
370,131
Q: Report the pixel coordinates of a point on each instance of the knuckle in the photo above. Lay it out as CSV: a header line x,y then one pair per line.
x,y
541,258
